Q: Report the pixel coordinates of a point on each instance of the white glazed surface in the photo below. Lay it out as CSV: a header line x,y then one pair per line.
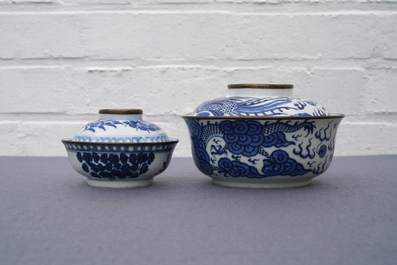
x,y
121,129
260,102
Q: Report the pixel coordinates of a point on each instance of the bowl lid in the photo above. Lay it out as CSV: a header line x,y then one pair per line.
x,y
121,126
260,100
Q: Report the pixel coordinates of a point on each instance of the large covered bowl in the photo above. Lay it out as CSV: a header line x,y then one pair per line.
x,y
120,150
265,148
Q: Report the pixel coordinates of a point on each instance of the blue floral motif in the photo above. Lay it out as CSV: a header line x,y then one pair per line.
x,y
100,124
136,124
142,125
114,166
165,164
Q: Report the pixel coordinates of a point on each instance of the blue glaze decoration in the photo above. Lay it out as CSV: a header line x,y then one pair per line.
x,y
112,148
127,139
267,106
200,157
115,166
136,124
280,163
100,125
261,149
322,151
236,168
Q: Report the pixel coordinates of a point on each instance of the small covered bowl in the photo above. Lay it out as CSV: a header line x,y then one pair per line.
x,y
262,137
120,150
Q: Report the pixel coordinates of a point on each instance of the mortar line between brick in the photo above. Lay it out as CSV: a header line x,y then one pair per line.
x,y
14,117
129,64
307,66
205,12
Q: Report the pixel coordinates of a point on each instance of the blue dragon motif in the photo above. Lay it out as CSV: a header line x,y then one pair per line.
x,y
265,106
219,149
279,126
268,106
247,138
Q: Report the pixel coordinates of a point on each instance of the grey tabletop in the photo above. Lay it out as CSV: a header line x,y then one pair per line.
x,y
49,215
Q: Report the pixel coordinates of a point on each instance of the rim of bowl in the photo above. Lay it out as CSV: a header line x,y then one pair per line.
x,y
261,86
120,111
332,116
70,141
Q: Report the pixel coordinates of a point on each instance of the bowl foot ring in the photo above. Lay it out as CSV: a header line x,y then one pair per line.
x,y
261,185
120,183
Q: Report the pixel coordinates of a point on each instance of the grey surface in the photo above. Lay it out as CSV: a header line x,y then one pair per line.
x,y
49,215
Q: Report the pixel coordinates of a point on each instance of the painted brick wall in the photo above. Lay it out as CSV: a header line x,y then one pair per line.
x,y
62,61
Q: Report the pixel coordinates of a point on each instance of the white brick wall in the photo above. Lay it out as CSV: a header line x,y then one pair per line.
x,y
62,61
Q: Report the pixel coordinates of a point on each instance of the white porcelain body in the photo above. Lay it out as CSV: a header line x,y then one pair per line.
x,y
263,152
253,102
112,128
116,165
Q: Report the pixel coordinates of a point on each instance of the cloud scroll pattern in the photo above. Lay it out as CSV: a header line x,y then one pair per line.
x,y
262,148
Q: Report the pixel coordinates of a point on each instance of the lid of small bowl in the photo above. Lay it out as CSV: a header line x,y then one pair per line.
x,y
121,126
254,100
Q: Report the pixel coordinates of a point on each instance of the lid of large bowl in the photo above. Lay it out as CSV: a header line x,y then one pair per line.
x,y
121,126
260,100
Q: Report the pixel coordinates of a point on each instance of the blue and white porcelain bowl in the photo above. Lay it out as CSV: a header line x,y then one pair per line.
x,y
262,137
120,150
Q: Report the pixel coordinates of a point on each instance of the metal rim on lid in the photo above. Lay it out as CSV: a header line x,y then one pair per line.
x,y
261,86
120,111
